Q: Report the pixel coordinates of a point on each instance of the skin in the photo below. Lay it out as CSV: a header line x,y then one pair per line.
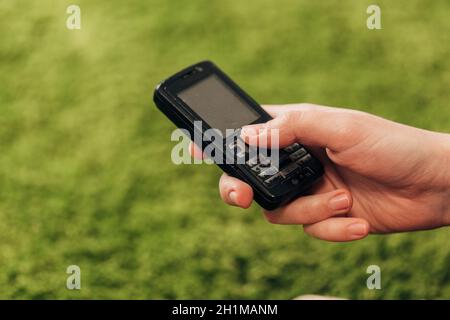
x,y
380,176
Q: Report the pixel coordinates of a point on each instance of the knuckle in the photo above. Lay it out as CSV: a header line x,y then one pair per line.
x,y
346,128
344,124
291,123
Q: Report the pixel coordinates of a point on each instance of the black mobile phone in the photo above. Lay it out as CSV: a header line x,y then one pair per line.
x,y
203,94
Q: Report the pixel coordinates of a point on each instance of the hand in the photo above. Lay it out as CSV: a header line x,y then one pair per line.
x,y
380,176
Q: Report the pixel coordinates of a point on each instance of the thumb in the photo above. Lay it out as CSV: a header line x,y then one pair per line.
x,y
330,128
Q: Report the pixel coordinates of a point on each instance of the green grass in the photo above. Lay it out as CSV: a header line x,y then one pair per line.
x,y
85,170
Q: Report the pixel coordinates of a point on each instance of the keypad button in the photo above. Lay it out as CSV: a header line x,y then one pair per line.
x,y
253,161
293,147
256,169
240,151
289,169
284,159
264,162
304,160
308,172
232,145
274,179
298,154
268,172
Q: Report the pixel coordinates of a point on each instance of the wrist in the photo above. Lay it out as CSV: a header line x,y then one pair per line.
x,y
443,175
447,175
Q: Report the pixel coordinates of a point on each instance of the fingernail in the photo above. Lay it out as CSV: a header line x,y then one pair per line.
x,y
357,230
249,131
339,202
233,197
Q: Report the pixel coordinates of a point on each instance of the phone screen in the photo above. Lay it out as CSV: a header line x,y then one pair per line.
x,y
217,104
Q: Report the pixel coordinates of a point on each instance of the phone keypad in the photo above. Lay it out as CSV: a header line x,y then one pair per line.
x,y
293,164
292,167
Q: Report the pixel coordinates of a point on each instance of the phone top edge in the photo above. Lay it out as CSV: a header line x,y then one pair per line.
x,y
166,89
180,73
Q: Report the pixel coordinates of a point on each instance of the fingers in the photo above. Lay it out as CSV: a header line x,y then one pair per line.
x,y
332,128
235,192
339,229
319,215
312,209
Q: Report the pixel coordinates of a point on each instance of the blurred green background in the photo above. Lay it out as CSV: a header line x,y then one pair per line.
x,y
85,170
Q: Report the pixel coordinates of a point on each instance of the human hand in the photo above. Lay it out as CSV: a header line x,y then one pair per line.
x,y
380,176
